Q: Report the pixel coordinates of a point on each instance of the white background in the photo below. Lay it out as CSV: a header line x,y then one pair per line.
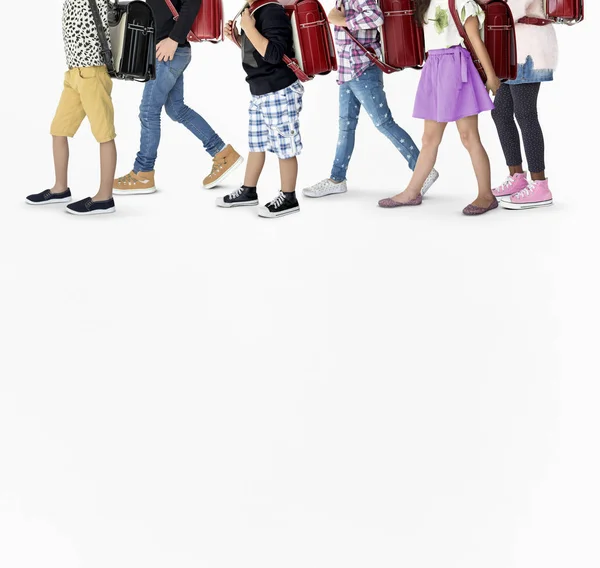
x,y
347,387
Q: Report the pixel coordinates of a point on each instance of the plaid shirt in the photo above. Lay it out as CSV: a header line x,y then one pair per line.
x,y
363,18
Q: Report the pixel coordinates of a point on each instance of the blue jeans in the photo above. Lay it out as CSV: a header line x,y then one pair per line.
x,y
167,91
367,91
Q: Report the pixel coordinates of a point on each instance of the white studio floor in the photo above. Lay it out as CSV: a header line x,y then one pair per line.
x,y
347,387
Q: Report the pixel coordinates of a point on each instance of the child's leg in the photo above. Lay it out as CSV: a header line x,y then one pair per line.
x,y
503,115
153,100
348,112
60,150
254,167
469,135
433,133
178,111
525,98
69,116
288,170
369,91
108,165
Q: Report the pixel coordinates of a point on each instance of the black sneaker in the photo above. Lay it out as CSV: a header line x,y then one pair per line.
x,y
240,197
47,197
89,207
283,204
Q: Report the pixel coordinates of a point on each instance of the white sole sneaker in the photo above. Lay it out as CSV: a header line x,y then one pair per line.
x,y
431,179
265,213
221,203
518,206
332,189
501,197
144,191
61,200
95,212
225,174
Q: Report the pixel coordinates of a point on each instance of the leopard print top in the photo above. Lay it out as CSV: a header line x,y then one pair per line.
x,y
82,46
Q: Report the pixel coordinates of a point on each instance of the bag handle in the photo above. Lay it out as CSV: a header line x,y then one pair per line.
x,y
105,48
469,45
534,21
291,63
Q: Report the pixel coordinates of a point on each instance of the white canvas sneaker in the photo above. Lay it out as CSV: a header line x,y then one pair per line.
x,y
325,187
431,179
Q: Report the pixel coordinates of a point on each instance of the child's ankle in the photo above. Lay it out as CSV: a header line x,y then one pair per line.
x,y
102,196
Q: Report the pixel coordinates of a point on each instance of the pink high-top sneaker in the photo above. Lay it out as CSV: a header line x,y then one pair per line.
x,y
536,194
512,184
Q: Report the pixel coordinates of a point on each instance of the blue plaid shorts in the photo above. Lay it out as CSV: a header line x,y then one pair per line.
x,y
274,122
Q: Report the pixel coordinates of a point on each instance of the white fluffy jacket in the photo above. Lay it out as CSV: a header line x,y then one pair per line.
x,y
537,41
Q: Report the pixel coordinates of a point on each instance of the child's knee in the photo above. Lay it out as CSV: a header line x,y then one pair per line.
x,y
524,116
175,112
470,139
430,140
348,123
383,123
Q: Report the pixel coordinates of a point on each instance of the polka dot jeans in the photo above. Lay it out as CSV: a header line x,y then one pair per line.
x,y
367,91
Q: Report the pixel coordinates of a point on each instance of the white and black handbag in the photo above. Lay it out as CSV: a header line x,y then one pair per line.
x,y
132,36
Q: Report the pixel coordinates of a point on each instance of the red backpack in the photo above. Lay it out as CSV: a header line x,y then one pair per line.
x,y
208,25
402,38
568,12
313,44
499,38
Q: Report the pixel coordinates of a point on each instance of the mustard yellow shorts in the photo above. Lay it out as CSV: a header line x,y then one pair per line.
x,y
86,93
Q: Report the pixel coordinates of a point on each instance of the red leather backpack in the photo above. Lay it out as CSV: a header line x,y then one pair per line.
x,y
499,38
313,44
558,12
402,38
208,25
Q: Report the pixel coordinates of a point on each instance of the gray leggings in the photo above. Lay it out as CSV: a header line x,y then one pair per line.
x,y
520,102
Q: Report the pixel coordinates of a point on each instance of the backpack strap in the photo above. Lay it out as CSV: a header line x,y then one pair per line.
x,y
534,21
370,53
191,34
291,63
465,36
173,9
105,48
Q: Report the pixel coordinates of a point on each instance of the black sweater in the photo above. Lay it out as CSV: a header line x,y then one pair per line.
x,y
166,26
269,73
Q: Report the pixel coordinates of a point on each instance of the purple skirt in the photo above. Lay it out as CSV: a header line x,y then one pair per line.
x,y
450,87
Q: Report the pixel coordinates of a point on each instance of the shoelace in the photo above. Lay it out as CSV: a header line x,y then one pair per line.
x,y
278,201
127,179
507,183
322,185
236,193
525,192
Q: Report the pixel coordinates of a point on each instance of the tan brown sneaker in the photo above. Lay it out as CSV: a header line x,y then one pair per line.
x,y
135,184
223,164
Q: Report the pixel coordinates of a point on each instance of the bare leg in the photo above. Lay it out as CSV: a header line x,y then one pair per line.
x,y
60,150
288,170
512,170
469,135
108,165
254,166
538,176
433,133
